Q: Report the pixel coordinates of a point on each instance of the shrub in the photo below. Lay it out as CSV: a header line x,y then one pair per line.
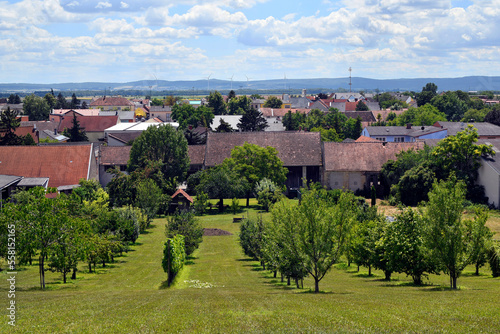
x,y
494,259
201,202
235,205
268,193
184,223
174,255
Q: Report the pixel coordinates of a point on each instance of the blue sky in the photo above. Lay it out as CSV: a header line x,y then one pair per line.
x,y
55,41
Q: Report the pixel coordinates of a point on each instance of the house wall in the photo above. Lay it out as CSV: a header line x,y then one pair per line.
x,y
113,142
95,136
104,177
345,180
490,180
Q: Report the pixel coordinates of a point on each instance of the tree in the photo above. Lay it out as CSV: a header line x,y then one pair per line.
x,y
216,103
423,115
8,125
239,105
148,197
451,105
445,230
251,239
231,95
221,182
254,163
252,120
76,133
475,115
267,193
186,115
460,154
321,230
184,223
163,145
353,128
14,99
75,103
273,102
428,92
479,237
61,102
224,126
361,106
414,185
406,251
293,121
493,116
174,256
36,108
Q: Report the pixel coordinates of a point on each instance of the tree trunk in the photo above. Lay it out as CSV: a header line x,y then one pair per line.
x,y
387,275
90,267
282,278
64,276
477,268
275,273
248,199
316,285
358,268
297,283
42,271
73,276
221,205
288,280
103,263
454,283
369,270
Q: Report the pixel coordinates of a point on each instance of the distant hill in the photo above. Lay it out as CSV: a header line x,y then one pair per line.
x,y
471,83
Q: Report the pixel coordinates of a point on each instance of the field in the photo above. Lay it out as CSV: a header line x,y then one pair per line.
x,y
223,291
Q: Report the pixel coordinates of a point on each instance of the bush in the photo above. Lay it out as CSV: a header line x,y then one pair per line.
x,y
174,255
268,193
200,204
184,223
235,205
128,223
494,259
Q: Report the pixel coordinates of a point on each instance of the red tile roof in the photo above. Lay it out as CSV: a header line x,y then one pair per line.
x,y
89,123
350,106
111,101
270,112
183,193
115,155
64,165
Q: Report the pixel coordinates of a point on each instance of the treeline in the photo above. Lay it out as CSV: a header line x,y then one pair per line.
x,y
327,227
64,231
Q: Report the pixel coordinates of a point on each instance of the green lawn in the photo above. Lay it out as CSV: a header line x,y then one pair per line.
x,y
223,291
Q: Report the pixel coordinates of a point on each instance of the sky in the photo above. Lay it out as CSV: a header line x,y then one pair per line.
x,y
57,41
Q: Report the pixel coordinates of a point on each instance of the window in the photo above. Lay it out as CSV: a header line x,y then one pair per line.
x,y
380,138
399,139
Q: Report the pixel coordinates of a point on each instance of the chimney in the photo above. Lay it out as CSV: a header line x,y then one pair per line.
x,y
55,132
408,126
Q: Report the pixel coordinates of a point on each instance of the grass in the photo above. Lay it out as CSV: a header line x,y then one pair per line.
x,y
223,291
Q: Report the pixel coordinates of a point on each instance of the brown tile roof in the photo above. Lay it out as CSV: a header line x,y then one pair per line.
x,y
363,139
294,148
23,131
197,154
351,106
64,165
89,123
366,116
364,156
385,113
111,101
125,137
115,155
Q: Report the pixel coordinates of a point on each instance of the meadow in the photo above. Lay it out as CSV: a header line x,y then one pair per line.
x,y
221,290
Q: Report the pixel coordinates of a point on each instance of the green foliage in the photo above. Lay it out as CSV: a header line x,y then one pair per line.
x,y
8,125
252,120
216,103
36,108
184,223
414,185
493,116
328,134
201,202
128,223
224,127
273,102
163,145
235,205
361,106
405,247
251,238
187,115
13,99
450,104
75,133
494,258
479,238
174,256
423,115
268,193
149,198
238,105
428,92
293,121
445,233
475,115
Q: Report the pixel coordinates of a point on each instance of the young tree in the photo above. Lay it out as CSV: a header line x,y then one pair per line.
x,y
8,125
184,223
251,239
239,105
148,197
174,256
186,115
479,236
75,103
361,106
224,127
406,251
267,193
76,133
61,102
445,230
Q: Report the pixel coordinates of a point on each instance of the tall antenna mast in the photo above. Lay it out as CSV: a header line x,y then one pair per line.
x,y
350,83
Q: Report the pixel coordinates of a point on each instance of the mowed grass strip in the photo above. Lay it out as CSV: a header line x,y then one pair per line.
x,y
223,291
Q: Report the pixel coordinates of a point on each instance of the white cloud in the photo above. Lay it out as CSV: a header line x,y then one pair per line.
x,y
103,5
124,5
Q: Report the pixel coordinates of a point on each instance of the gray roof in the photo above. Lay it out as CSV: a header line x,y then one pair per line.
x,y
8,180
160,108
33,182
233,120
299,102
483,128
415,131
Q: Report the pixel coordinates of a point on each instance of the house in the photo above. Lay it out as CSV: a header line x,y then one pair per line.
x,y
132,129
485,130
257,103
489,173
357,165
180,201
7,186
94,126
111,157
162,112
112,103
366,117
299,151
63,165
404,133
